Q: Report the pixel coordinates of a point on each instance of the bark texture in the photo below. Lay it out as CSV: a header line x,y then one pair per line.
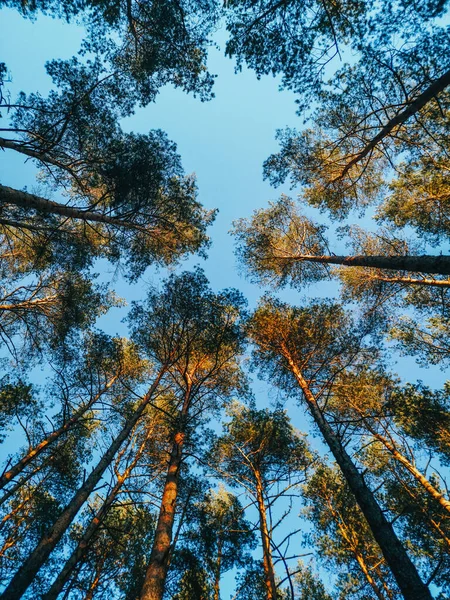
x,y
31,201
269,573
419,264
155,578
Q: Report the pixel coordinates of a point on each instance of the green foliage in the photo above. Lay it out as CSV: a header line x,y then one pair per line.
x,y
48,312
424,415
272,243
197,333
194,583
308,585
320,338
145,45
300,41
261,441
343,539
250,584
222,535
117,554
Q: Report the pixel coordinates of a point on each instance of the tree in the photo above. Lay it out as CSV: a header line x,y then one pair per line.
x,y
143,46
107,367
343,539
361,400
391,104
37,557
222,535
308,584
423,415
308,347
126,196
299,42
138,445
262,453
115,554
280,245
200,334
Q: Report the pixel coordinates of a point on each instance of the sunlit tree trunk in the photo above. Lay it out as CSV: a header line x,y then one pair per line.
x,y
269,573
32,202
156,575
25,575
404,571
418,476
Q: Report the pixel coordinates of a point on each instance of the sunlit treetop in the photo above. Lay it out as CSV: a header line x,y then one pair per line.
x,y
318,337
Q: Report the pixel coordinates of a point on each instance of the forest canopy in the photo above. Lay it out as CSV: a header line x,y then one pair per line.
x,y
163,437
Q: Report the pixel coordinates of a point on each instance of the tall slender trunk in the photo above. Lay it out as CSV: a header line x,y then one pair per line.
x,y
31,201
52,437
95,582
93,526
418,476
218,571
441,283
419,264
370,580
156,575
269,572
25,575
404,571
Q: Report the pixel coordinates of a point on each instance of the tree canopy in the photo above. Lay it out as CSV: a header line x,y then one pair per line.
x,y
163,439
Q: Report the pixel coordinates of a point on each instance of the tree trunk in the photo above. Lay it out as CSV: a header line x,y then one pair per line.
x,y
442,283
83,544
23,148
418,476
218,571
156,575
155,578
25,200
404,571
269,573
25,575
370,580
419,264
34,452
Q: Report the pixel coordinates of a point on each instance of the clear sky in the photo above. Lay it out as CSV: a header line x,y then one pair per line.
x,y
224,141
